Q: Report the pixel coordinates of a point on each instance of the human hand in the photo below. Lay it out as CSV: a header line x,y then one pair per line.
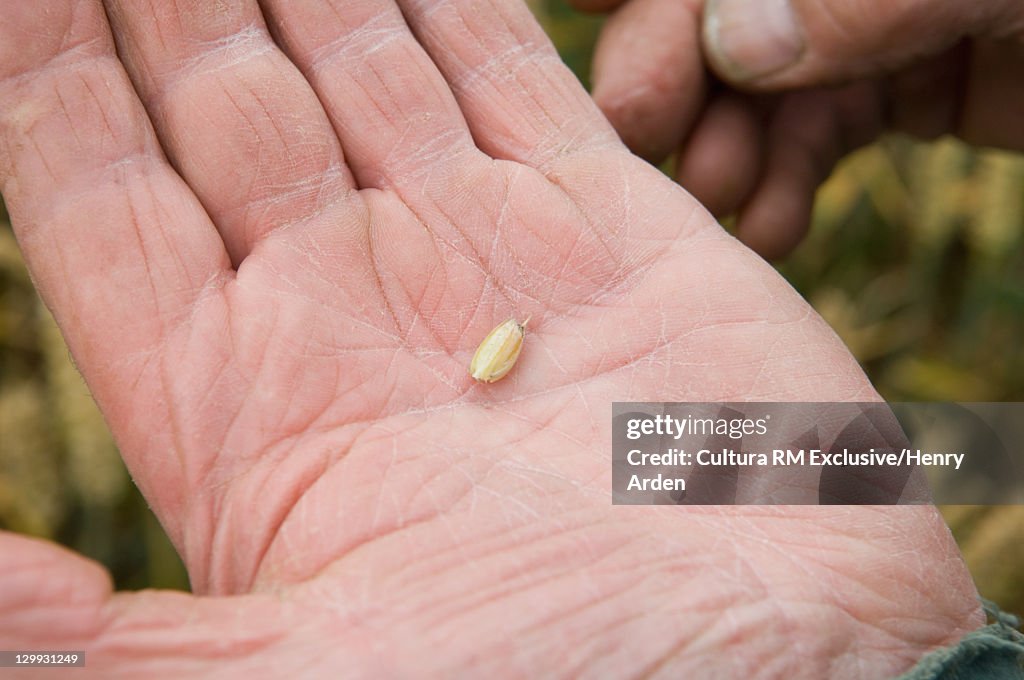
x,y
792,104
273,251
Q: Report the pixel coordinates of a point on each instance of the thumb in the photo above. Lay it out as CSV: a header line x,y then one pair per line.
x,y
776,43
52,599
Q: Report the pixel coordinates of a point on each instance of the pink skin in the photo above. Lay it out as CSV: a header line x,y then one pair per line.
x,y
927,67
278,333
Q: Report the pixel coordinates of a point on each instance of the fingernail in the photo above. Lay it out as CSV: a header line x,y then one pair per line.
x,y
748,39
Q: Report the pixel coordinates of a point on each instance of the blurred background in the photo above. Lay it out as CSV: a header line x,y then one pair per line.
x,y
916,258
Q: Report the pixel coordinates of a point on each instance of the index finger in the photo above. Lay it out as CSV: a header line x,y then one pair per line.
x,y
649,76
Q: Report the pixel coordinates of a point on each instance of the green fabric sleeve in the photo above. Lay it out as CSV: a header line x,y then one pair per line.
x,y
993,652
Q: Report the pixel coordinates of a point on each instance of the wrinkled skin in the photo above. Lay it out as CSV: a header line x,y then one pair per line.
x,y
278,331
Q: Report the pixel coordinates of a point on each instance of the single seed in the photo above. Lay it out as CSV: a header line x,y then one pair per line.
x,y
497,354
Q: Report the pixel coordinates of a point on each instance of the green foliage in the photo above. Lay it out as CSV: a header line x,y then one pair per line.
x,y
61,477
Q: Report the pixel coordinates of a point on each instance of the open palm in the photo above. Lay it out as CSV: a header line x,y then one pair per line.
x,y
273,236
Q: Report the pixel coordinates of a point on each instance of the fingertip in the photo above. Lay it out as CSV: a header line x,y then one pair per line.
x,y
649,76
47,592
775,221
721,161
649,131
745,41
803,144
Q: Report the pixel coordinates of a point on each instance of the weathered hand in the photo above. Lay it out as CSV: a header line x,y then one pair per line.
x,y
273,236
800,84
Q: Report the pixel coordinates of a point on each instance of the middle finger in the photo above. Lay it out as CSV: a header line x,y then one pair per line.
x,y
235,116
